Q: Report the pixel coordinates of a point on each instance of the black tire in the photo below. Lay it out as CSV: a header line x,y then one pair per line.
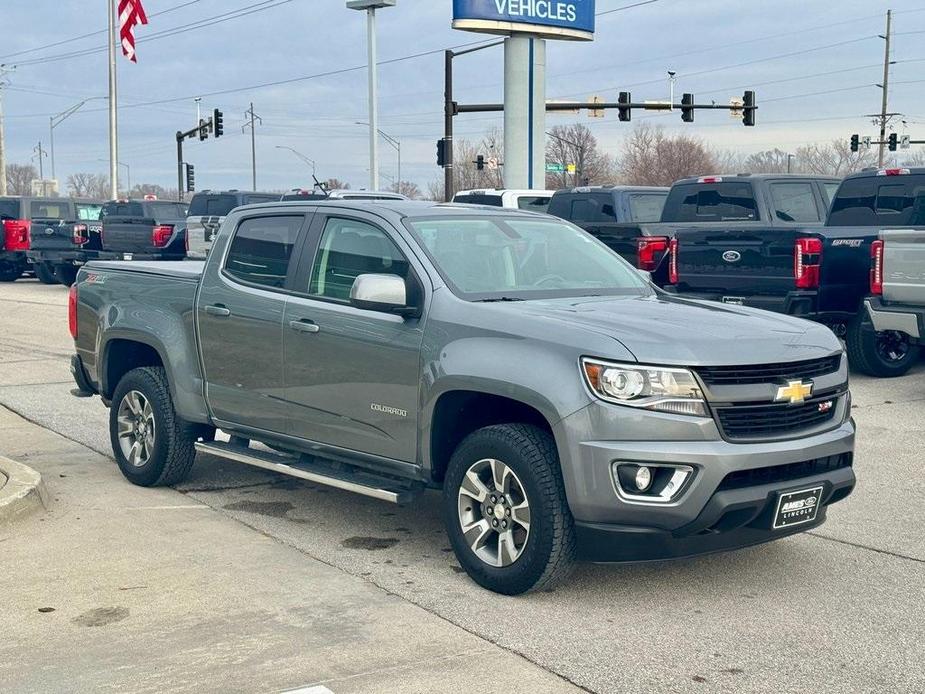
x,y
172,452
45,273
884,354
66,274
10,272
548,553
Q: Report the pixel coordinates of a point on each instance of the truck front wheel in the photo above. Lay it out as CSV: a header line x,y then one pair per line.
x,y
151,444
505,509
884,354
45,273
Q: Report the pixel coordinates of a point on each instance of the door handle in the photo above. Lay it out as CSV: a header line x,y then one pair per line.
x,y
304,326
217,310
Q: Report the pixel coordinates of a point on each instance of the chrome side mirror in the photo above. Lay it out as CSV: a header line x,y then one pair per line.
x,y
375,292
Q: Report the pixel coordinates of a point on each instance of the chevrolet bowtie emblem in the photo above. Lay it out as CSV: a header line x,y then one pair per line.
x,y
795,391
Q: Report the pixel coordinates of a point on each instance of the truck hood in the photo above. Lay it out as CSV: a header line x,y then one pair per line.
x,y
666,330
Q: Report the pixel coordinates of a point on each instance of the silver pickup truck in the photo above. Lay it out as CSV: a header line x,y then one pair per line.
x,y
897,285
565,407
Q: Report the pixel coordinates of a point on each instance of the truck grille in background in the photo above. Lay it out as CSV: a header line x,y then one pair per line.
x,y
784,473
774,421
768,373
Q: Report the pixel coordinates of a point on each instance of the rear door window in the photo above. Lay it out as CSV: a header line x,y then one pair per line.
x,y
711,202
9,209
829,189
167,210
46,209
261,250
646,207
794,202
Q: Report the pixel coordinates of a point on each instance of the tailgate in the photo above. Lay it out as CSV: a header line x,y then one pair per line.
x,y
738,260
128,235
904,266
52,237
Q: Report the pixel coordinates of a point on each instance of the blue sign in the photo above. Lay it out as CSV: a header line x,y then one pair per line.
x,y
556,19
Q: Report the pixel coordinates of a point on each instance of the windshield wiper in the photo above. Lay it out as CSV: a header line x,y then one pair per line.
x,y
501,298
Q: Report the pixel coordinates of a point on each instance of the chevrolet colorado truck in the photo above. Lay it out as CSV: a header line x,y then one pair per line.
x,y
818,272
566,408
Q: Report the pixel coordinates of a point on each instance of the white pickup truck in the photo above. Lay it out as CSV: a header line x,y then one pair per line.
x,y
897,283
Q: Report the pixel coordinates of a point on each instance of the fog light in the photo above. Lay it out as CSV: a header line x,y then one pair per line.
x,y
643,478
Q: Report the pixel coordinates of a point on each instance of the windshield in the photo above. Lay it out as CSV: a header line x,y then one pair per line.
x,y
45,209
711,202
88,212
512,258
212,205
646,207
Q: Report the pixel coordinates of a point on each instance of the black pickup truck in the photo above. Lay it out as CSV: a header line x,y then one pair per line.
x,y
144,229
22,220
821,273
57,251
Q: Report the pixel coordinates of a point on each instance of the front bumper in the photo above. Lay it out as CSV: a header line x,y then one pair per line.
x,y
707,515
902,318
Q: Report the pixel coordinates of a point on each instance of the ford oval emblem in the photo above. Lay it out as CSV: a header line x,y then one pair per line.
x,y
49,231
732,256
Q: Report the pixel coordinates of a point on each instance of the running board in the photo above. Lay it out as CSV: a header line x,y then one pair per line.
x,y
321,472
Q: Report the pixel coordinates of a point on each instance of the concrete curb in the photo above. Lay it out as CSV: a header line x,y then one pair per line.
x,y
22,493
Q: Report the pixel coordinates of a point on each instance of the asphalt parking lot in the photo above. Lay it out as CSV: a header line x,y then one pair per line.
x,y
840,608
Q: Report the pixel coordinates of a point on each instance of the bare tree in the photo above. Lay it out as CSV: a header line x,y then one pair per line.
x,y
88,185
575,145
336,184
769,161
141,189
653,158
407,188
916,158
834,158
19,178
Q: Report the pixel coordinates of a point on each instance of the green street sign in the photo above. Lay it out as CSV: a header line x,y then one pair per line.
x,y
555,168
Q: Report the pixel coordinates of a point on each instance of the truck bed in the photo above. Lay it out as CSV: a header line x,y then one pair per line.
x,y
189,270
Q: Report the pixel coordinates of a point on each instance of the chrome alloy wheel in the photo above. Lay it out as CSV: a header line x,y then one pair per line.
x,y
494,512
136,428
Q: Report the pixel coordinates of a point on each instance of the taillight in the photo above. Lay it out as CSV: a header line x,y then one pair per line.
x,y
673,261
72,310
710,179
160,235
876,267
80,235
649,251
17,234
893,172
807,258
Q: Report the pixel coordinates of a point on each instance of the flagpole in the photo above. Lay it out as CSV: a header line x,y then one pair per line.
x,y
113,116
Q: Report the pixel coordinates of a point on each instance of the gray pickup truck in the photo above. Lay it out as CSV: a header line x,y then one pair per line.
x,y
566,407
897,280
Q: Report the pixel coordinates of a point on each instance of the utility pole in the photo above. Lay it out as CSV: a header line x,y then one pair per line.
x,y
39,152
4,69
252,119
113,110
886,84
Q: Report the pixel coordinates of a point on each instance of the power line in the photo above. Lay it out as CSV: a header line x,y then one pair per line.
x,y
625,7
93,33
166,33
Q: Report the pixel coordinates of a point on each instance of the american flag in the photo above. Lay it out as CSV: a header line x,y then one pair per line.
x,y
130,13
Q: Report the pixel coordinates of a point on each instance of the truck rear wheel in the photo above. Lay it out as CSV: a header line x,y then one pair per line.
x,y
44,273
152,446
66,274
505,509
884,354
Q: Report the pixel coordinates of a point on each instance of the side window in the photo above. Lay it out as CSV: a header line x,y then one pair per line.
x,y
794,202
350,248
261,249
830,190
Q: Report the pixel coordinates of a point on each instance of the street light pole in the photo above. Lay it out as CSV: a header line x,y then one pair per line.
x,y
370,6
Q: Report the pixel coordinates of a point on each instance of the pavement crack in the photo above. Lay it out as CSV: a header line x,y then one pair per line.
x,y
31,420
867,547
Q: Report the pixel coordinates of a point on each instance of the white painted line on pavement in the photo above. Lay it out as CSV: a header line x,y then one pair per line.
x,y
164,508
318,689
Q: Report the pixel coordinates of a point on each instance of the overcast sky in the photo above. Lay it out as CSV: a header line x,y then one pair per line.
x,y
780,48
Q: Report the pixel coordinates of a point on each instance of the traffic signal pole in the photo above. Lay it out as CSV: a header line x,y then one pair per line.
x,y
214,125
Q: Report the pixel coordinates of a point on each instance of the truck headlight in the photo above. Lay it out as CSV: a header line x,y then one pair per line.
x,y
650,387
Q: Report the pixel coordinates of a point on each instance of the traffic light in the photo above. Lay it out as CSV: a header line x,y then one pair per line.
x,y
190,178
441,152
218,123
480,162
624,112
748,107
203,129
855,142
892,141
687,108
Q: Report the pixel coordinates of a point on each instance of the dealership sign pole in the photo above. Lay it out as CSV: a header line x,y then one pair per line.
x,y
527,24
